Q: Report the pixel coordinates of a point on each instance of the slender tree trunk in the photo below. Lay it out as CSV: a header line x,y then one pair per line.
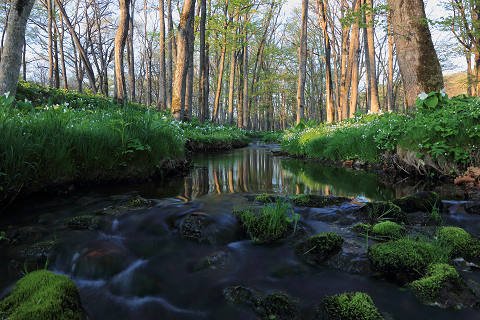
x,y
50,41
246,111
12,49
202,99
417,58
371,66
181,63
221,66
162,77
169,71
131,55
190,72
354,57
302,64
231,87
24,61
62,53
322,17
120,40
390,93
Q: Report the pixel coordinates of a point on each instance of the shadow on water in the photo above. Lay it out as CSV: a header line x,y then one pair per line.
x,y
140,262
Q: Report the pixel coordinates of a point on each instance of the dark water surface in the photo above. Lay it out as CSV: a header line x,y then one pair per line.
x,y
138,262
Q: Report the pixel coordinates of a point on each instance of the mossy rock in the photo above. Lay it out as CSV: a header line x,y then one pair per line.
x,y
457,240
317,201
266,198
424,201
388,230
43,295
138,202
348,306
405,259
319,248
374,212
277,305
438,275
84,222
362,228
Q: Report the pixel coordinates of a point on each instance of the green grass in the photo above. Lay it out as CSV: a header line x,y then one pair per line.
x,y
447,133
272,222
42,295
207,136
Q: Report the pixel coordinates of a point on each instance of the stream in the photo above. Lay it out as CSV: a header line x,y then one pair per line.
x,y
140,252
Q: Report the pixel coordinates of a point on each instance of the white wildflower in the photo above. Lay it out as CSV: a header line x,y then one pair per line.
x,y
422,96
443,92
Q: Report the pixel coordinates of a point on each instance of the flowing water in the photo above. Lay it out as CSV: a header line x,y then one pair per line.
x,y
136,259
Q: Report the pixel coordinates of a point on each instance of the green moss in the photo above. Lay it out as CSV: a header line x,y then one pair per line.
x,y
388,230
350,306
320,247
317,201
265,198
374,212
42,295
362,228
405,259
89,222
456,239
273,222
438,275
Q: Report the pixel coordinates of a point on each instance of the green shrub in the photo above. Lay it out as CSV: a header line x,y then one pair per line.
x,y
456,239
388,230
376,211
438,275
42,295
273,222
406,259
350,306
320,247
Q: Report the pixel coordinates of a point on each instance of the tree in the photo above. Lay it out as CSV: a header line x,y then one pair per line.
x,y
370,57
417,58
302,63
120,41
181,62
11,59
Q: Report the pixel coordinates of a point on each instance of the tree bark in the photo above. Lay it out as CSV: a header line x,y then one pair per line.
x,y
181,62
417,58
162,77
11,59
370,51
202,97
120,40
302,64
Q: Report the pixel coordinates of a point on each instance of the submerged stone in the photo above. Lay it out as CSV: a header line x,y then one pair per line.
x,y
424,201
317,201
277,305
319,248
348,306
216,260
42,295
89,222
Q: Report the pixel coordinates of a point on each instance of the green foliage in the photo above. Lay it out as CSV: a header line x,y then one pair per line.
x,y
210,136
445,129
317,201
457,240
265,198
42,295
406,258
382,210
362,228
438,275
273,222
388,230
320,247
350,306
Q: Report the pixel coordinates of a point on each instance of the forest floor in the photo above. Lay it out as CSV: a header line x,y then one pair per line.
x,y
55,138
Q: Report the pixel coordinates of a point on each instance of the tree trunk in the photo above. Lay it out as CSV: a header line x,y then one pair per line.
x,y
202,98
354,58
246,111
371,66
181,62
131,56
390,93
231,86
120,40
162,77
302,64
221,66
12,49
169,71
417,58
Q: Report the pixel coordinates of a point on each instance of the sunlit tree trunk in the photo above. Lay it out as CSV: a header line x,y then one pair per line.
x,y
120,40
302,63
202,98
371,61
162,76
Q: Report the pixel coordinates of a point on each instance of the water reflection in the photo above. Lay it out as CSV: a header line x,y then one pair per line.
x,y
255,169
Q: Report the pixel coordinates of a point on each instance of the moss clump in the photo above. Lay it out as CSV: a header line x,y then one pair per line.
x,y
362,228
89,222
317,201
405,259
456,239
437,277
374,212
424,201
138,202
42,295
350,306
388,230
265,198
273,222
320,247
